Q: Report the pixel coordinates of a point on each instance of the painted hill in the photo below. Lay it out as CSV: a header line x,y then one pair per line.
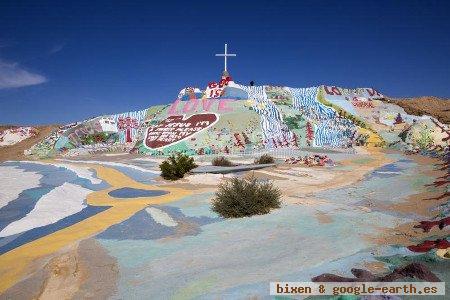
x,y
230,117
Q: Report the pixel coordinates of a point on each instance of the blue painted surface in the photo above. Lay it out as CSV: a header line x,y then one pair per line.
x,y
390,170
141,226
128,192
11,242
234,93
52,177
20,207
137,175
233,257
396,182
55,176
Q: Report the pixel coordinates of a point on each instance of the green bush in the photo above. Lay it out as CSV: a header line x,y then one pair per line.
x,y
176,166
237,198
424,140
265,159
221,162
90,139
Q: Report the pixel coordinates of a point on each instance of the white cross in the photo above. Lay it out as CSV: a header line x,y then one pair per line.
x,y
225,55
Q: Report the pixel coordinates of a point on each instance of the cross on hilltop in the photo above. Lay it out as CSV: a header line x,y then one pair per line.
x,y
225,55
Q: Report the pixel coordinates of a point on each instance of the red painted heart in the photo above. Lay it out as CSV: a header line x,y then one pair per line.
x,y
174,129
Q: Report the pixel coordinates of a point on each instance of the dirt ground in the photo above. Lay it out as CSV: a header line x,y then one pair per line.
x,y
428,105
15,152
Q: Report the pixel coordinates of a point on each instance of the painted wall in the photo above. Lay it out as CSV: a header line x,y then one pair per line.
x,y
207,125
229,117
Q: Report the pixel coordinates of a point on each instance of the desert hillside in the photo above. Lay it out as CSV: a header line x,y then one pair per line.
x,y
426,105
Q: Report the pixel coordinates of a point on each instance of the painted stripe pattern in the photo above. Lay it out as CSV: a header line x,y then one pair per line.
x,y
329,129
275,131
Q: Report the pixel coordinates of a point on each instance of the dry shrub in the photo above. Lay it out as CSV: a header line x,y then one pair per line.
x,y
244,197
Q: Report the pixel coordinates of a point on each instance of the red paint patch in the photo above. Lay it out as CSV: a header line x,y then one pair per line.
x,y
174,129
428,245
428,225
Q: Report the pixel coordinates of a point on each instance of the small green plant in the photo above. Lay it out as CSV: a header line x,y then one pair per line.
x,y
265,159
176,166
361,140
90,139
293,122
424,139
237,198
221,161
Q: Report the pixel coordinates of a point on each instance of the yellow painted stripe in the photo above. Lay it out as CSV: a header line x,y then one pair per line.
x,y
15,263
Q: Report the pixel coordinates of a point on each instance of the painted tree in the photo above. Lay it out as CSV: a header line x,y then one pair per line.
x,y
285,142
398,119
246,139
309,133
127,124
238,142
294,141
190,91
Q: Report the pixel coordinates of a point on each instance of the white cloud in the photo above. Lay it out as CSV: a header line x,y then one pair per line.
x,y
56,48
14,76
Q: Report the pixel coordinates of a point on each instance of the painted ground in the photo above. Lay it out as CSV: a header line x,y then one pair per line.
x,y
110,227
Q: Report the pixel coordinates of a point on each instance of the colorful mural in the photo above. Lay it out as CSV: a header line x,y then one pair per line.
x,y
129,125
275,132
216,89
201,126
245,118
177,128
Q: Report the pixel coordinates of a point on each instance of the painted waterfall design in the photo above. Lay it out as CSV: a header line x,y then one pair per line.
x,y
329,128
275,131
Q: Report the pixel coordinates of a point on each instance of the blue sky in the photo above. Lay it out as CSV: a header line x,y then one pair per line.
x,y
62,62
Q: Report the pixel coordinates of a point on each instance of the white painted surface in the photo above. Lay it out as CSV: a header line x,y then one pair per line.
x,y
81,171
112,164
13,136
61,202
14,181
161,217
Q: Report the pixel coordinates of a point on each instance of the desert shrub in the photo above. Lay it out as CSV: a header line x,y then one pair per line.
x,y
424,139
176,166
361,140
238,198
221,162
265,159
